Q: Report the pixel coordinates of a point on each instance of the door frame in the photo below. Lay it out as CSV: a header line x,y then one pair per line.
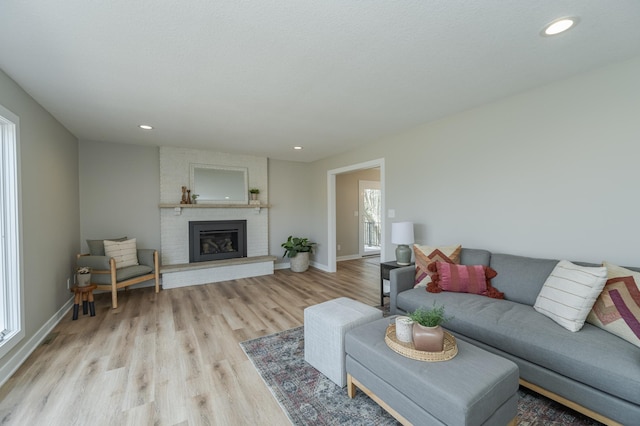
x,y
331,207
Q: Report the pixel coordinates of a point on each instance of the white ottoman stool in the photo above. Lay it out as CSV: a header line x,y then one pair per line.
x,y
325,325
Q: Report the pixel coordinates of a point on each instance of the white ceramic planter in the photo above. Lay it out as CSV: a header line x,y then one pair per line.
x,y
404,329
83,279
300,262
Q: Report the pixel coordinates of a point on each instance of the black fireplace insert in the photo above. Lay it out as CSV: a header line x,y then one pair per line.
x,y
217,240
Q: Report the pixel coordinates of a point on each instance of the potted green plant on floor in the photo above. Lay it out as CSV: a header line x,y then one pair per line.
x,y
297,250
427,331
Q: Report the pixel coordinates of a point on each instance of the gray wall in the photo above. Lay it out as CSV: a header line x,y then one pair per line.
x,y
551,172
119,193
50,214
120,190
291,211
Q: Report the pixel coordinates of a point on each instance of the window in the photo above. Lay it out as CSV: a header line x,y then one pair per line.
x,y
11,312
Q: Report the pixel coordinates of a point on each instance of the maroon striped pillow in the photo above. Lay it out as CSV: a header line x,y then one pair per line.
x,y
475,279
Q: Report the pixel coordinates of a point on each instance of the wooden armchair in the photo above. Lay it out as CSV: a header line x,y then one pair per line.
x,y
106,275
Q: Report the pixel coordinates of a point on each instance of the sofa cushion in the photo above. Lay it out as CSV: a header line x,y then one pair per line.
x,y
569,293
426,255
592,356
617,309
469,256
520,278
123,252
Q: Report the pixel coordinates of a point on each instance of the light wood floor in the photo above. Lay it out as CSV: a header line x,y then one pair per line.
x,y
173,358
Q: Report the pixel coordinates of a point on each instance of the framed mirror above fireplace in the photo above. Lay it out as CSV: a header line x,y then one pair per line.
x,y
219,184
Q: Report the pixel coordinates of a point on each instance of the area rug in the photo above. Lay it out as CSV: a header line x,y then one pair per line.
x,y
310,398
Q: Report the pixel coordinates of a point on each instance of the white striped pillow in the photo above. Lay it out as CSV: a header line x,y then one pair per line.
x,y
569,293
124,252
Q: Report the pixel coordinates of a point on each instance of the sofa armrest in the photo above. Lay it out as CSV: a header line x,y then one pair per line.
x,y
146,257
401,279
96,263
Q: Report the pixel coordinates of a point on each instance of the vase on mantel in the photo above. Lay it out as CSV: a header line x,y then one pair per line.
x,y
428,339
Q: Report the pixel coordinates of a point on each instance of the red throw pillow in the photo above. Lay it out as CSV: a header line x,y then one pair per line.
x,y
426,255
475,279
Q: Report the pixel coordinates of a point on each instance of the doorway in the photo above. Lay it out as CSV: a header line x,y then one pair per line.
x,y
331,207
370,217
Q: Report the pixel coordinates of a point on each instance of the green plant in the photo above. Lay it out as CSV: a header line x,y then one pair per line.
x,y
429,317
195,196
254,191
295,245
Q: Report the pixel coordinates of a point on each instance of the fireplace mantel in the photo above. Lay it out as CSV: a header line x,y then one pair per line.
x,y
215,206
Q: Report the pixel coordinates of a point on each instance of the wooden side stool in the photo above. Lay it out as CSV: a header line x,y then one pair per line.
x,y
86,295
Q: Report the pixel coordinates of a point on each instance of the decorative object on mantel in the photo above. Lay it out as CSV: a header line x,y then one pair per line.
x,y
404,329
185,196
254,193
427,333
449,348
402,234
297,250
83,276
194,198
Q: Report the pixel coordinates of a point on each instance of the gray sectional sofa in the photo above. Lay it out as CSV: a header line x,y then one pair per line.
x,y
592,371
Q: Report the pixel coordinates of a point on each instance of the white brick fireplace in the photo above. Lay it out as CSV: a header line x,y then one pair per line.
x,y
174,220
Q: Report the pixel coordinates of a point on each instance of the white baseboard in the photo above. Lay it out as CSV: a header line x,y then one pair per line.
x,y
12,365
311,263
348,257
320,266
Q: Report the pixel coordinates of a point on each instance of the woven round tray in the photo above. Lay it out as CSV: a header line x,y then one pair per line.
x,y
410,351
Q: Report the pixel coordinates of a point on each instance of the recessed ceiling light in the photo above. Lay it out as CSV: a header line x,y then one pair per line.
x,y
559,26
145,127
297,148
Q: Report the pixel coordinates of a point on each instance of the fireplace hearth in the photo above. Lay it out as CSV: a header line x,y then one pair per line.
x,y
217,240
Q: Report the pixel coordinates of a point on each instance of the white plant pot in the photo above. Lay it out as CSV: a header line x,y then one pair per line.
x,y
404,329
83,279
300,262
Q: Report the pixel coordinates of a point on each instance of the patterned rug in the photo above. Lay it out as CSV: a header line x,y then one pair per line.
x,y
309,398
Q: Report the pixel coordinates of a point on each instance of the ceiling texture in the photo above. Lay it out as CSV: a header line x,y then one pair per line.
x,y
258,77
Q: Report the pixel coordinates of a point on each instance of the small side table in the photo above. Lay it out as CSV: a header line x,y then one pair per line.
x,y
385,268
86,295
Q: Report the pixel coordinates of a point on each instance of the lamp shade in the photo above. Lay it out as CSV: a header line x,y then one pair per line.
x,y
402,233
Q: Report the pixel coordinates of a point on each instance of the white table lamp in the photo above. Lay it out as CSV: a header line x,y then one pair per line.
x,y
402,234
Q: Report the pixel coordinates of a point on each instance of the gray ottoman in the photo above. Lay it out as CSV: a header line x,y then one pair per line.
x,y
325,325
474,388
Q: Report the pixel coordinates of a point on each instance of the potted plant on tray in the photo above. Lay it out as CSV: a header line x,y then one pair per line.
x,y
427,331
297,250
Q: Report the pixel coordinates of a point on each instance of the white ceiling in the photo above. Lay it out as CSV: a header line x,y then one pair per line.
x,y
259,77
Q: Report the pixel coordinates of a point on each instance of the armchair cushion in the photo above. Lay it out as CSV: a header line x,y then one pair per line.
x,y
94,262
96,247
145,257
122,274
